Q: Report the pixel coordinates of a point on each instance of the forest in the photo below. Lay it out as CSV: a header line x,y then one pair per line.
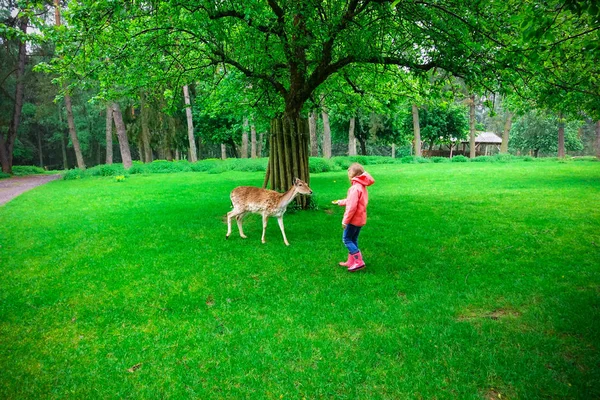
x,y
99,82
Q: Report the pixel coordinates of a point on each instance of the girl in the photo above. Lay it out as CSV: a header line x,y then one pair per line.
x,y
355,216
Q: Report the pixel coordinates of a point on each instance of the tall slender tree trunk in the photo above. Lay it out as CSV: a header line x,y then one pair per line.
x,y
223,151
598,139
259,147
63,143
472,152
190,124
145,137
416,130
351,137
312,127
7,144
73,133
69,107
506,133
326,134
393,150
561,136
122,136
169,138
41,155
252,141
245,138
109,141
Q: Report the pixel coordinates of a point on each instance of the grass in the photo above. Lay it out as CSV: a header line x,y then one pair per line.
x,y
482,282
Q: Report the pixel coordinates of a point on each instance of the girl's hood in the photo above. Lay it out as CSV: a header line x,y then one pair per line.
x,y
364,179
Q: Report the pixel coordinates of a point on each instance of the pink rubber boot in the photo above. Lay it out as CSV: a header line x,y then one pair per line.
x,y
348,262
357,262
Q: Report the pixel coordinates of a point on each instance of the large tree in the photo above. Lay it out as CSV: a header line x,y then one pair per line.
x,y
290,48
15,37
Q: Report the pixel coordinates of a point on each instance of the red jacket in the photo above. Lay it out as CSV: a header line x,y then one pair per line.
x,y
357,200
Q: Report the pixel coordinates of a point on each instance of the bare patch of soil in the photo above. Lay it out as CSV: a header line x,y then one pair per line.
x,y
496,314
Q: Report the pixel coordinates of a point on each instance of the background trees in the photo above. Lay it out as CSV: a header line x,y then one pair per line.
x,y
362,61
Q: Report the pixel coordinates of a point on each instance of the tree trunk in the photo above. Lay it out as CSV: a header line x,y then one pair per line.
x,y
7,145
598,139
288,156
417,131
63,144
326,134
363,145
253,141
73,133
41,155
393,150
223,151
506,133
312,126
145,138
472,152
169,138
109,142
561,136
261,140
234,148
122,136
70,120
245,139
190,124
351,137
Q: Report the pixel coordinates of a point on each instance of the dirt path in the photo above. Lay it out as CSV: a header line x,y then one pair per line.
x,y
12,187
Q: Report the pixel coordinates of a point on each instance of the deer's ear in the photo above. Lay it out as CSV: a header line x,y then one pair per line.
x,y
296,181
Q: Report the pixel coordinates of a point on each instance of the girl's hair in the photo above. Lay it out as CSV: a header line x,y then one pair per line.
x,y
355,170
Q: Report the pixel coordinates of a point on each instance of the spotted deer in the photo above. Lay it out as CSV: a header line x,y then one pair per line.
x,y
268,203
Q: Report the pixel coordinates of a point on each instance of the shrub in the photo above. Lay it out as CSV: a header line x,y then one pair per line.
x,y
137,168
408,160
73,174
316,165
218,169
205,165
363,160
20,170
459,158
422,160
106,170
341,162
505,157
4,175
528,158
248,164
163,166
440,159
482,159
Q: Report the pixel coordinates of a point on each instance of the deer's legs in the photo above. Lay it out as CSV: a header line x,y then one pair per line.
x,y
239,218
265,218
234,213
280,221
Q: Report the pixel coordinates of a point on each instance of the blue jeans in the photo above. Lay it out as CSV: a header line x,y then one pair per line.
x,y
350,238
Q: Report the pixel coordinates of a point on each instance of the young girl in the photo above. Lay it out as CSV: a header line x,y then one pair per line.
x,y
355,216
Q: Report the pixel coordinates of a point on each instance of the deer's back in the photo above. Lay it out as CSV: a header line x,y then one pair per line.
x,y
253,199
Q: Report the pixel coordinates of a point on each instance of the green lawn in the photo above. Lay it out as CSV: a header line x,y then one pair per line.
x,y
482,282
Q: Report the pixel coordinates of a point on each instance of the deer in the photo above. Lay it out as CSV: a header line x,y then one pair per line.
x,y
268,203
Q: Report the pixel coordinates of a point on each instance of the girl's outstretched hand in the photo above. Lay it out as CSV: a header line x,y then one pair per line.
x,y
335,202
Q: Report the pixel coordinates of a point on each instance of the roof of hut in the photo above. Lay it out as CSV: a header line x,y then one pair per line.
x,y
486,138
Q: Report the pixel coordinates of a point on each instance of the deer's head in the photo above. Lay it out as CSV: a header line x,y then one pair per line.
x,y
301,187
